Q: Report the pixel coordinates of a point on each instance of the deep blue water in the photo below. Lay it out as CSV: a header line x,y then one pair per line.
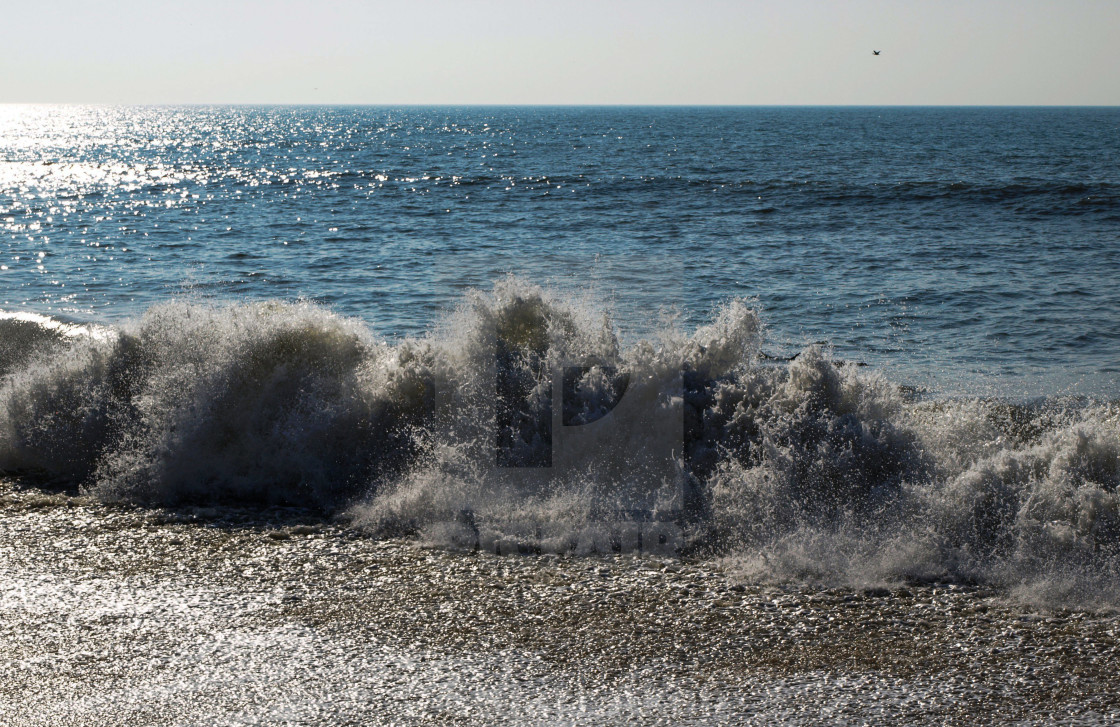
x,y
972,250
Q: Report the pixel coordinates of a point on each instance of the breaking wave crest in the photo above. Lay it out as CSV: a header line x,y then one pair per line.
x,y
522,423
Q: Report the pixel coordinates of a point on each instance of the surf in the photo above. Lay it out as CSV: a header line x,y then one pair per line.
x,y
479,435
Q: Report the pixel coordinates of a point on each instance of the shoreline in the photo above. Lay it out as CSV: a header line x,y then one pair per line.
x,y
124,615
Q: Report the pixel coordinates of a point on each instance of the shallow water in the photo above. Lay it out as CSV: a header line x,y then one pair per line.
x,y
231,616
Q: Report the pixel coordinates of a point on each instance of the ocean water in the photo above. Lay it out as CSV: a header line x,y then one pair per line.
x,y
567,415
969,249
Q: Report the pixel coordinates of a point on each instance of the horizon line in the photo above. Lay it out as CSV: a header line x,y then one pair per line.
x,y
381,104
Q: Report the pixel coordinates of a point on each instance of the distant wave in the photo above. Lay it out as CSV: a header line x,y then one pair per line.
x,y
1050,196
807,469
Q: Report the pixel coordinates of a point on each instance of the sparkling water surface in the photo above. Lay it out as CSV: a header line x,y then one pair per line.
x,y
970,250
264,514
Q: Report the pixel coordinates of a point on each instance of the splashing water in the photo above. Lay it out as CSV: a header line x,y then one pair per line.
x,y
521,422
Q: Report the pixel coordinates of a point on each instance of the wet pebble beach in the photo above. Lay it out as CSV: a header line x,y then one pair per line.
x,y
130,616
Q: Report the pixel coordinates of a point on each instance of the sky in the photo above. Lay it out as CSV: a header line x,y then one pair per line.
x,y
772,52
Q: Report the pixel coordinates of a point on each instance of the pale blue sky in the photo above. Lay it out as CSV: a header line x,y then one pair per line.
x,y
581,52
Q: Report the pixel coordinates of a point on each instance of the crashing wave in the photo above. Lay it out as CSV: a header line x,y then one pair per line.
x,y
522,423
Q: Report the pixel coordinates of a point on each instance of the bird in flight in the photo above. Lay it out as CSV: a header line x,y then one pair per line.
x,y
875,52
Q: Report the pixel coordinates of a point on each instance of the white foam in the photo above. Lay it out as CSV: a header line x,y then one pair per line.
x,y
809,469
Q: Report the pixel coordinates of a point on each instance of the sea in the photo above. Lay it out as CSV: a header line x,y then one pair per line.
x,y
559,415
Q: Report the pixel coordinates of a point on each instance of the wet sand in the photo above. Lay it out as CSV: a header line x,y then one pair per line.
x,y
113,615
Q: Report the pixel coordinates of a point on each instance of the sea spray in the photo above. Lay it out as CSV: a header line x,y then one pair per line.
x,y
809,469
267,402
